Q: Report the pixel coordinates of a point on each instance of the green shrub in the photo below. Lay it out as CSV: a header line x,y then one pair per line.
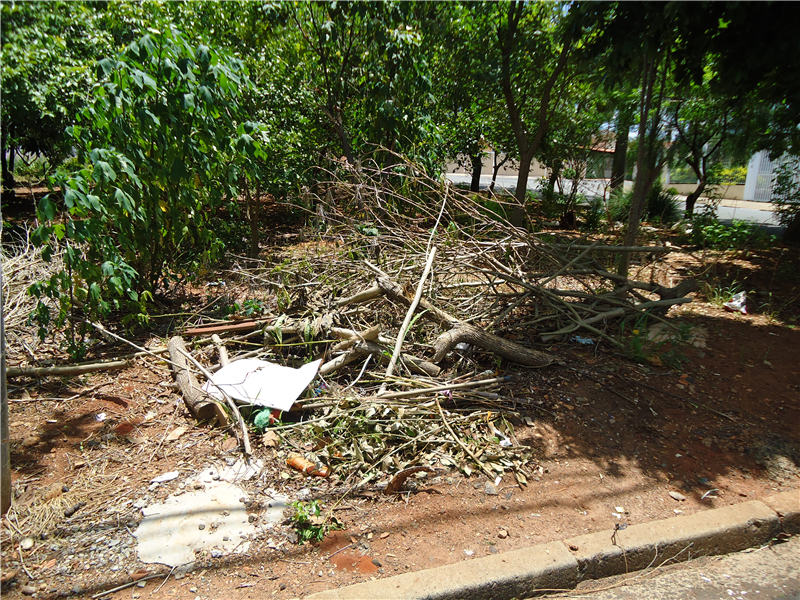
x,y
786,197
160,150
661,205
736,236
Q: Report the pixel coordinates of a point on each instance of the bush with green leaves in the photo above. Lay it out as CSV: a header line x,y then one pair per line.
x,y
786,197
163,142
661,206
739,235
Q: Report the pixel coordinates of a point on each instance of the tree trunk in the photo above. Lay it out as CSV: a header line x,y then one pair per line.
x,y
8,178
496,169
691,199
518,216
8,168
253,216
341,132
477,167
197,401
639,189
619,166
5,450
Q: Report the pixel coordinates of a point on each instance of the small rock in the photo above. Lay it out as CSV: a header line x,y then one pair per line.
x,y
201,526
377,563
28,590
493,550
193,590
226,538
282,586
251,518
369,535
142,584
677,496
490,489
384,535
216,553
573,547
502,534
76,589
26,543
72,510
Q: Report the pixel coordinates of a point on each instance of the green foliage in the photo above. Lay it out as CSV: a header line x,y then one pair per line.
x,y
719,295
661,206
664,349
48,49
786,193
309,523
736,236
162,143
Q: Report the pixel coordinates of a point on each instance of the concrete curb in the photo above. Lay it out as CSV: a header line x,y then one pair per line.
x,y
561,565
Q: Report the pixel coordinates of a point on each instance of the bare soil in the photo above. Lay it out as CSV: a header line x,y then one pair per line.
x,y
613,435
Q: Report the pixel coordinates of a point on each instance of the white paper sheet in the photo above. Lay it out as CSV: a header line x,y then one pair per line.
x,y
262,383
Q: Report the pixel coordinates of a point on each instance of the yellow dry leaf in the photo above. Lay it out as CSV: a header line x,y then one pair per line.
x,y
176,433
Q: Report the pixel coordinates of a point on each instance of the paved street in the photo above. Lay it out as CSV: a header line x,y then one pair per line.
x,y
762,574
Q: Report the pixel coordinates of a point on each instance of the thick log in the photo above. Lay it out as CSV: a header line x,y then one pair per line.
x,y
464,332
196,400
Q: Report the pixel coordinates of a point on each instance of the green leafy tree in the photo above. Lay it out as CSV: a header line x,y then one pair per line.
x,y
48,49
534,58
702,122
160,136
371,82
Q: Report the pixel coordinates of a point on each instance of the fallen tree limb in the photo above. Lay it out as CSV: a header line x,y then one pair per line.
x,y
228,399
66,369
364,348
445,388
466,332
196,401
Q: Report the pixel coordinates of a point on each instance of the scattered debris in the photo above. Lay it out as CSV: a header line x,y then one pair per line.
x,y
261,382
738,303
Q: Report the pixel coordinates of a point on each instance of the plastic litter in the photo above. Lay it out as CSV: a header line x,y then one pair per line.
x,y
582,340
737,303
305,466
165,477
262,383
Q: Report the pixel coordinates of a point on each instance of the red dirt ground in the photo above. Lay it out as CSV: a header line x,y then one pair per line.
x,y
612,436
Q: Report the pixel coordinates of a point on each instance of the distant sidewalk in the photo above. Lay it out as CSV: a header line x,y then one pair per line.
x,y
768,206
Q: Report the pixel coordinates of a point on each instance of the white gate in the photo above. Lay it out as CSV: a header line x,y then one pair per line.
x,y
761,176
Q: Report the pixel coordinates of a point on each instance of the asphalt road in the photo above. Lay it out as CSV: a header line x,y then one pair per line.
x,y
762,574
726,212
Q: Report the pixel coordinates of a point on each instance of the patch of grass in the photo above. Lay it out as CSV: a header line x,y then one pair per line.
x,y
719,295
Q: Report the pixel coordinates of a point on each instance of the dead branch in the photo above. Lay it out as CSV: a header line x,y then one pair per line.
x,y
198,403
61,370
228,399
466,332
